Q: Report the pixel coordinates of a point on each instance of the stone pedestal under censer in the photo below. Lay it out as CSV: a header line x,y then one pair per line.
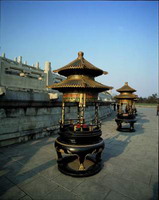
x,y
79,145
126,111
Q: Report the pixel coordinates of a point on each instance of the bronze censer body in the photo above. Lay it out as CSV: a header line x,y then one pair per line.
x,y
79,145
126,110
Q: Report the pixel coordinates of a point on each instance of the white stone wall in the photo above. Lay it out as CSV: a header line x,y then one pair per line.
x,y
16,76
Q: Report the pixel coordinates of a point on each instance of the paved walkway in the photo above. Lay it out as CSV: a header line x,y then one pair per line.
x,y
29,171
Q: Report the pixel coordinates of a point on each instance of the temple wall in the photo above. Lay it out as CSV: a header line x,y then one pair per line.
x,y
22,124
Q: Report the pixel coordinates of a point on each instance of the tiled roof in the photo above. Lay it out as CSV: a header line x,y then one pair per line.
x,y
126,96
126,88
81,66
80,82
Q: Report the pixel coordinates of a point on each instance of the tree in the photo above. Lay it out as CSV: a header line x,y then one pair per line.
x,y
151,99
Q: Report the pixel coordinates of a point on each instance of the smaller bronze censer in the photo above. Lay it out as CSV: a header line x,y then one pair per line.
x,y
79,145
126,111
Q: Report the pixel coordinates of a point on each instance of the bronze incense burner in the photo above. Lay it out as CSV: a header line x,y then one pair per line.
x,y
126,110
79,145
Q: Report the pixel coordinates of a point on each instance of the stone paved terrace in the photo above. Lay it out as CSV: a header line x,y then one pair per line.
x,y
29,170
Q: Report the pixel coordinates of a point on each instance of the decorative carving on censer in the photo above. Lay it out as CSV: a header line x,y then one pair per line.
x,y
126,110
79,145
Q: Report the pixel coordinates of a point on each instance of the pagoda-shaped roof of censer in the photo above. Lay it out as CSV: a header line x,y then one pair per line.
x,y
126,92
126,88
81,66
80,74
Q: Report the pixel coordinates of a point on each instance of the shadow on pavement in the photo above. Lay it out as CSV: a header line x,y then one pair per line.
x,y
13,161
155,192
115,146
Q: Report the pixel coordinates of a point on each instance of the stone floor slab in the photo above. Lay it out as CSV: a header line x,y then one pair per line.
x,y
12,193
116,196
68,182
26,197
128,188
91,191
61,194
39,188
137,176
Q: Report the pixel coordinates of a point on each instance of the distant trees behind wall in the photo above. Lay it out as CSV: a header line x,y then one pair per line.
x,y
151,99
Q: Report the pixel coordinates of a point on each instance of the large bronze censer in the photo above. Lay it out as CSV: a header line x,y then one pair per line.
x,y
126,111
79,145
